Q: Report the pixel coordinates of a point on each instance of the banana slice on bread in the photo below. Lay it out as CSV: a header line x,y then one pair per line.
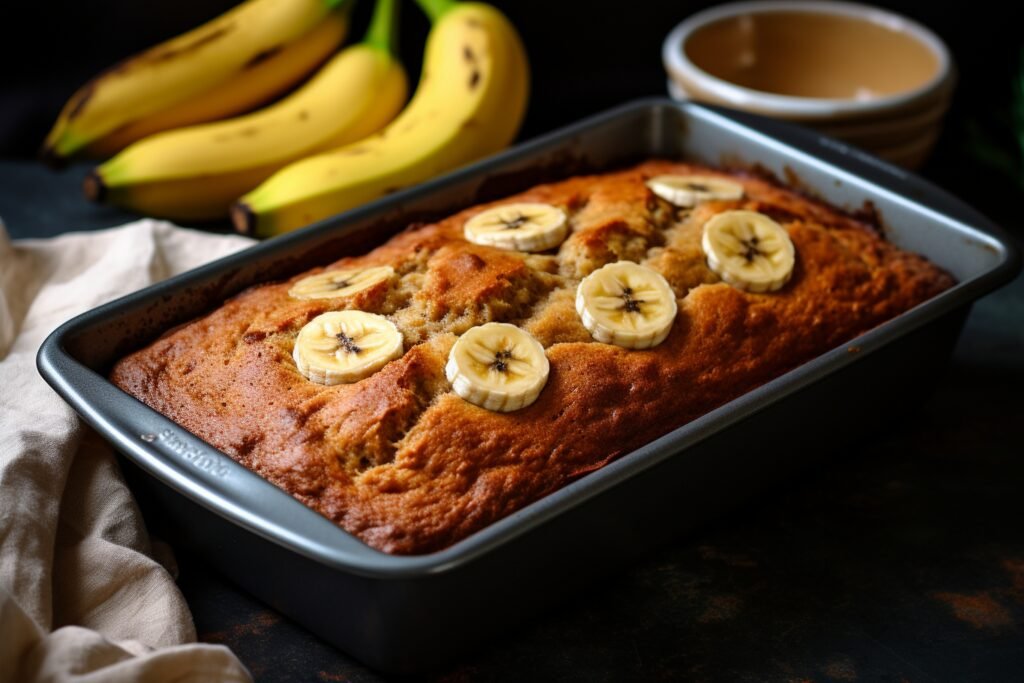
x,y
519,227
626,304
337,283
497,366
688,190
341,347
748,250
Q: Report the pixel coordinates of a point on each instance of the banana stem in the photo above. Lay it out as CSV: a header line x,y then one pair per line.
x,y
435,9
383,31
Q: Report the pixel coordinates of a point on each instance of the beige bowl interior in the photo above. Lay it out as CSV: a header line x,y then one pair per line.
x,y
807,54
810,54
854,72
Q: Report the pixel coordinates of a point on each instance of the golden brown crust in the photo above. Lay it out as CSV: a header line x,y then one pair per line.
x,y
400,461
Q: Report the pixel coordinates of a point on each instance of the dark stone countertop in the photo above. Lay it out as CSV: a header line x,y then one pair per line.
x,y
900,558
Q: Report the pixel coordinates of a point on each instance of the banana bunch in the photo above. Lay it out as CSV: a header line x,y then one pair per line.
x,y
469,103
331,144
195,173
228,65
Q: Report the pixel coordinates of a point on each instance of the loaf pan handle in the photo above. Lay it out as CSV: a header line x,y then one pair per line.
x,y
192,467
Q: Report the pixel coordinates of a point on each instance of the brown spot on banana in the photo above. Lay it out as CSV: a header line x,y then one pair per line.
x,y
154,55
262,56
81,99
85,93
158,55
248,132
474,79
468,54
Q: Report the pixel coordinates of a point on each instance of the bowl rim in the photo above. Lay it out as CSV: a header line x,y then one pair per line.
x,y
680,67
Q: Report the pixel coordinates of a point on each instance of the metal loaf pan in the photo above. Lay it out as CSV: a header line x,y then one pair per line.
x,y
404,614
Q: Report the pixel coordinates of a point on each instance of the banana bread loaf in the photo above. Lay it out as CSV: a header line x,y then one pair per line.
x,y
398,457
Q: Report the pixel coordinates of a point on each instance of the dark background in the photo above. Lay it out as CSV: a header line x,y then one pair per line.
x,y
586,56
899,558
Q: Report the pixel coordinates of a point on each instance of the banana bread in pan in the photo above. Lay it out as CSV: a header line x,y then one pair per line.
x,y
405,463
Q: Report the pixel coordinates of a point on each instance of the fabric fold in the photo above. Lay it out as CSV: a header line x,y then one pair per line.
x,y
81,597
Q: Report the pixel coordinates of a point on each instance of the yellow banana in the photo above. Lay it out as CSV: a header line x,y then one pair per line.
x,y
469,103
195,173
256,84
185,73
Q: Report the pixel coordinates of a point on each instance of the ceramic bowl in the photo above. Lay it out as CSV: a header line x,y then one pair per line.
x,y
899,123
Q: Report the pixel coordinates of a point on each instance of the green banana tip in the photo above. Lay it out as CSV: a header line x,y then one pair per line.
x,y
383,30
61,145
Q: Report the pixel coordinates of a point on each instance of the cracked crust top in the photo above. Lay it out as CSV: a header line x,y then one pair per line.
x,y
406,465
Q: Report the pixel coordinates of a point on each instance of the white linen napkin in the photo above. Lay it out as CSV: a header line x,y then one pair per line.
x,y
81,597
